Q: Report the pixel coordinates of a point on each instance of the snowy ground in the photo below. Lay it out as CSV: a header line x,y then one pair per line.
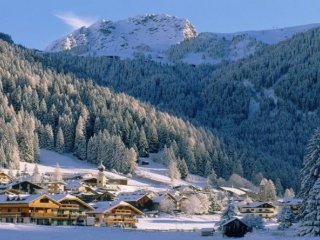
x,y
152,176
36,232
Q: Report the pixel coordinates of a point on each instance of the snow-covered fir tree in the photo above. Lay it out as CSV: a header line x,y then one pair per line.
x,y
60,141
167,205
254,221
310,189
229,212
311,165
57,175
285,217
173,172
80,145
310,222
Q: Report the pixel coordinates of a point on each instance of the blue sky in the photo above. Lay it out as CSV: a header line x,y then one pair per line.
x,y
35,23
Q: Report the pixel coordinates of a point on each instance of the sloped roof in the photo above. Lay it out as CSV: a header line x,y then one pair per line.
x,y
234,190
5,199
61,197
231,220
103,207
254,204
131,196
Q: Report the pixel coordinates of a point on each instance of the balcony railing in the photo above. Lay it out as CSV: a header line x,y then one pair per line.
x,y
123,212
69,206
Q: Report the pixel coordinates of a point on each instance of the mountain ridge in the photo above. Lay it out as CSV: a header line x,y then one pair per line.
x,y
169,39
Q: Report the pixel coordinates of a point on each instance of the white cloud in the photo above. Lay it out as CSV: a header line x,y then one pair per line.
x,y
73,20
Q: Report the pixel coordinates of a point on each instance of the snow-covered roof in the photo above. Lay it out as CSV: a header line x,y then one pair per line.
x,y
5,199
233,190
61,197
254,204
102,207
131,196
231,220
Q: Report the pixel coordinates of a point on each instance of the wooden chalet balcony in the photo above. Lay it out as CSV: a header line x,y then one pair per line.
x,y
12,214
122,212
69,206
120,220
54,216
42,215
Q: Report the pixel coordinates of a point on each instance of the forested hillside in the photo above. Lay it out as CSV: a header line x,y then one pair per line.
x,y
42,108
266,105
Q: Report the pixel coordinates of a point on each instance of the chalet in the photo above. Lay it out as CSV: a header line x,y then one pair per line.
x,y
55,187
140,200
117,213
27,187
90,195
235,228
263,209
92,182
72,208
294,203
39,209
4,178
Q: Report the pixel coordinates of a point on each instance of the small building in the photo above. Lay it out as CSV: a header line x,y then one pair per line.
x,y
27,187
262,209
235,228
116,213
140,200
293,203
56,187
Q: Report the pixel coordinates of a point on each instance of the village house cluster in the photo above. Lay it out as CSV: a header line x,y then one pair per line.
x,y
95,200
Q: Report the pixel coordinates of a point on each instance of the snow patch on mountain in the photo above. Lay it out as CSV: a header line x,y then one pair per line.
x,y
132,37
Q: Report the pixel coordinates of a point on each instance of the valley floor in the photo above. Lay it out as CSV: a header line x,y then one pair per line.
x,y
36,232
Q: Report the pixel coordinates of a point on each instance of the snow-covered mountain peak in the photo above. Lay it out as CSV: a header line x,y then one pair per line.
x,y
144,34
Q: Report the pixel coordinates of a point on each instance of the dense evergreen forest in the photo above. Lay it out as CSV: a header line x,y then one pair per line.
x,y
265,106
42,108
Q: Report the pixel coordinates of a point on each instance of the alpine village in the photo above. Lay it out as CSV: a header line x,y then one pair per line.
x,y
152,128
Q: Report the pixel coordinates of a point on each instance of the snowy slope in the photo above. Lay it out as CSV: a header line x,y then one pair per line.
x,y
166,38
148,34
152,177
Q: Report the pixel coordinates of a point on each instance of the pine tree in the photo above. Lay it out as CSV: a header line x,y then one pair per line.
x,y
311,165
49,138
285,217
143,144
228,213
212,179
310,222
3,160
36,149
153,139
279,187
173,172
57,176
60,141
80,145
36,176
132,158
183,168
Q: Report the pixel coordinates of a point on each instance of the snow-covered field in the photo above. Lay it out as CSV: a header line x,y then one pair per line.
x,y
152,176
36,232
